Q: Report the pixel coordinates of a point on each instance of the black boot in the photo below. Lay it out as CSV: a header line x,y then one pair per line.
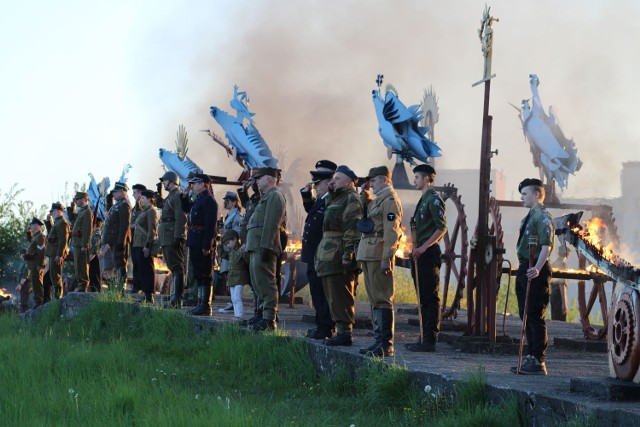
x,y
204,308
264,325
376,319
177,286
385,349
200,292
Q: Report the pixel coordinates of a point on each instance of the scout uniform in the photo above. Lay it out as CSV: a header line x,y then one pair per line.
x,y
172,237
537,223
377,248
428,218
116,232
203,212
238,274
250,204
135,211
264,246
338,245
81,242
57,247
95,275
143,238
35,257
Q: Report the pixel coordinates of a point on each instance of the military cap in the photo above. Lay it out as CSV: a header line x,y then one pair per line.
x,y
266,171
228,235
379,171
80,195
347,171
121,186
428,169
171,176
200,177
231,196
325,165
317,176
147,193
528,182
36,221
140,187
57,206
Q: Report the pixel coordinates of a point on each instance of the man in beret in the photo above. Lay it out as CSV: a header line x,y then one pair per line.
x,y
335,260
203,213
311,237
137,190
57,247
376,253
264,245
430,223
172,235
250,204
536,226
81,240
116,233
35,258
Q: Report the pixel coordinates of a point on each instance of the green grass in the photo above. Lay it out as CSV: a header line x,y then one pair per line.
x,y
122,364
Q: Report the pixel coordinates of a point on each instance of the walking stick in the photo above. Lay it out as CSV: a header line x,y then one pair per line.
x,y
414,265
533,243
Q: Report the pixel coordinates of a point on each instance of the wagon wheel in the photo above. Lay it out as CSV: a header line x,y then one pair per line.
x,y
623,334
585,305
455,254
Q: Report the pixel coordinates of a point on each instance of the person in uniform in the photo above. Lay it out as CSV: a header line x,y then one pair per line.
x,y
95,275
311,237
116,233
143,237
558,298
24,284
35,257
250,203
335,260
172,235
203,212
264,245
231,222
430,223
238,271
57,247
376,254
81,240
137,190
537,224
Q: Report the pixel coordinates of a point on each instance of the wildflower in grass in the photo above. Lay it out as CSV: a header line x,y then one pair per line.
x,y
154,380
228,403
427,388
197,396
71,391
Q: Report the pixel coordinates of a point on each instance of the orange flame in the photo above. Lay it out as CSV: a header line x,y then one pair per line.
x,y
293,246
405,247
4,295
593,233
159,266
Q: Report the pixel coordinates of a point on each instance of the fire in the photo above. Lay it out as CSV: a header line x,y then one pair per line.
x,y
293,246
4,296
593,233
405,247
159,266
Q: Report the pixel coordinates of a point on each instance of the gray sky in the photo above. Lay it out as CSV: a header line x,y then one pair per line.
x,y
90,87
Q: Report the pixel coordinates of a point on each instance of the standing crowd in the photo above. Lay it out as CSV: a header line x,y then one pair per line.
x,y
352,227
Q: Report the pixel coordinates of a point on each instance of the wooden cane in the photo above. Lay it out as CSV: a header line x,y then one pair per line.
x,y
414,264
533,244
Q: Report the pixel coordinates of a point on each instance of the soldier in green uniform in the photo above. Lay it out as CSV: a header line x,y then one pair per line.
x,y
172,235
57,248
430,223
264,245
250,203
335,260
376,254
143,238
24,284
536,224
95,275
81,240
35,257
116,233
137,190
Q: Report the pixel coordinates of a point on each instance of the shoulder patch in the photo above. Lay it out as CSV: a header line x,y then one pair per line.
x,y
391,216
436,202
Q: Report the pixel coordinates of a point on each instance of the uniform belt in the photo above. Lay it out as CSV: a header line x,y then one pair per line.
x,y
196,227
253,226
332,234
373,234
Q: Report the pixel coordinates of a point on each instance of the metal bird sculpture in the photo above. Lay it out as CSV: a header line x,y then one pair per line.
x,y
98,196
125,171
242,134
400,128
183,167
553,153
